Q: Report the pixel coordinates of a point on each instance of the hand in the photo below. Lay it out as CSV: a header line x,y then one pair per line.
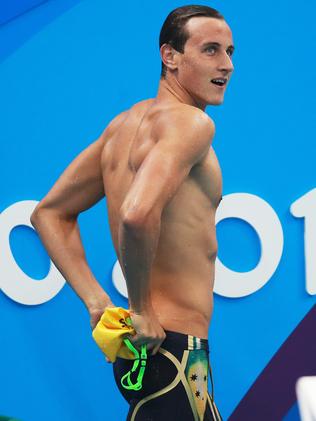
x,y
96,313
95,316
148,330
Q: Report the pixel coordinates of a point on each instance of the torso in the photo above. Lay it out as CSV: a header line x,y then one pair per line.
x,y
183,270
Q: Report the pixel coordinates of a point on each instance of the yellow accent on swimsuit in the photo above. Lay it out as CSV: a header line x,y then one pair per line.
x,y
113,327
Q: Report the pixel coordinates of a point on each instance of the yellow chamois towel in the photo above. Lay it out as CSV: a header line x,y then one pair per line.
x,y
115,324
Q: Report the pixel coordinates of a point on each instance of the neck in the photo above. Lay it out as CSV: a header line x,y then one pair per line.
x,y
172,91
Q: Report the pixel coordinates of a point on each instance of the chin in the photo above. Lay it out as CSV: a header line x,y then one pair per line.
x,y
216,101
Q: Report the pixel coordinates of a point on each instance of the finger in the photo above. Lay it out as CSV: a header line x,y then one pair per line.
x,y
137,343
149,348
133,339
156,349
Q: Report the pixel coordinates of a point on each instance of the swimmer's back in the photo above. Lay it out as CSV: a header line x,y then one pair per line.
x,y
183,269
119,158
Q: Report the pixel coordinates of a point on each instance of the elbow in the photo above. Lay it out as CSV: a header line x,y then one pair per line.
x,y
36,216
137,219
42,213
132,220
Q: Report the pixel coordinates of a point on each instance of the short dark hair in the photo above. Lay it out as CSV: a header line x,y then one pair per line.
x,y
173,30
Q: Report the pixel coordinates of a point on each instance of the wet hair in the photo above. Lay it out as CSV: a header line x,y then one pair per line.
x,y
173,31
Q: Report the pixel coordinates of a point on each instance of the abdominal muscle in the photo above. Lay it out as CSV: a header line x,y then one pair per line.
x,y
182,275
183,302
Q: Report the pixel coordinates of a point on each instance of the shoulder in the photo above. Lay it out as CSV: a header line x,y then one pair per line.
x,y
185,120
139,107
114,124
142,105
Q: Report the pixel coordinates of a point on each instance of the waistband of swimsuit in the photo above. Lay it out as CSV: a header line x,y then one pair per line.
x,y
188,342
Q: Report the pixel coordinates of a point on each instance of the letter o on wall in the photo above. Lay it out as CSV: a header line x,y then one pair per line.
x,y
13,281
119,280
261,216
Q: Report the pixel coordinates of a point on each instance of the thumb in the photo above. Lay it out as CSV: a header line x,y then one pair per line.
x,y
133,340
131,337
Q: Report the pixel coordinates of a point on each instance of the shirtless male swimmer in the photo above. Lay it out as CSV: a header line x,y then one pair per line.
x,y
162,180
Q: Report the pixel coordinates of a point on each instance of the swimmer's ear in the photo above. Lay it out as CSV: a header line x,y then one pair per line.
x,y
169,56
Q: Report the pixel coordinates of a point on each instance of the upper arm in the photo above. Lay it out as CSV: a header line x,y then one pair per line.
x,y
183,140
81,185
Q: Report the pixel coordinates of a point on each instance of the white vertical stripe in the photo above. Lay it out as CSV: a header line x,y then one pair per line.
x,y
198,343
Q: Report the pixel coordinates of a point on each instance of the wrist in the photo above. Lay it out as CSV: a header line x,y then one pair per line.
x,y
141,310
98,303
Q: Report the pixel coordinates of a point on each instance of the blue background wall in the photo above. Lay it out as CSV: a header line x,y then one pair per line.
x,y
66,68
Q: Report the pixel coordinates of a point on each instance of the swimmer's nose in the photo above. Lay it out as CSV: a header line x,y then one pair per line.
x,y
226,66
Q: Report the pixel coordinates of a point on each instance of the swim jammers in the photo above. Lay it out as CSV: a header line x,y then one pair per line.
x,y
175,383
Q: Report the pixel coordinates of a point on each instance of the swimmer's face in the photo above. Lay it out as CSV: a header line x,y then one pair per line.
x,y
207,56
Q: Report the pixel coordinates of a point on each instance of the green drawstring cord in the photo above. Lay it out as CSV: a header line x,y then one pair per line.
x,y
142,359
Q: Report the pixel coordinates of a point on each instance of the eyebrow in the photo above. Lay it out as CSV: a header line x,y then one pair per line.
x,y
217,45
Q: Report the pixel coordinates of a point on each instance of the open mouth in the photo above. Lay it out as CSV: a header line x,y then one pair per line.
x,y
219,82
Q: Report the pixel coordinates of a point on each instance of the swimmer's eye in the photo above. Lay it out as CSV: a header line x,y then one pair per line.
x,y
210,50
230,52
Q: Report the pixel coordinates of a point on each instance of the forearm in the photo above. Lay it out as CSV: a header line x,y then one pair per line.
x,y
137,249
61,238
